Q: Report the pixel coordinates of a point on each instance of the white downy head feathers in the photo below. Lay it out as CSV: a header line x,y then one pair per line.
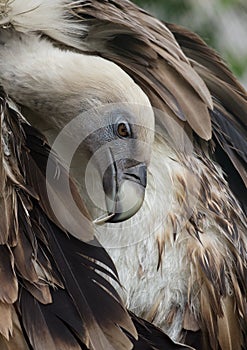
x,y
28,16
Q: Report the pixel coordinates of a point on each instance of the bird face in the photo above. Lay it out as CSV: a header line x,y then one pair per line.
x,y
121,147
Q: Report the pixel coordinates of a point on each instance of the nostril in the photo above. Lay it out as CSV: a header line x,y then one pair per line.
x,y
137,174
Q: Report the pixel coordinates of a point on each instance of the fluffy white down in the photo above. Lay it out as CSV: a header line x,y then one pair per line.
x,y
41,15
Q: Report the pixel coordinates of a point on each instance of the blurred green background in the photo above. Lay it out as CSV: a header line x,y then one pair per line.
x,y
221,23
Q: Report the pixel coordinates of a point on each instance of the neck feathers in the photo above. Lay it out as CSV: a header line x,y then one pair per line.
x,y
28,17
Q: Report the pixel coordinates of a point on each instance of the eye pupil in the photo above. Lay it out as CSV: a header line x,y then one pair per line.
x,y
123,130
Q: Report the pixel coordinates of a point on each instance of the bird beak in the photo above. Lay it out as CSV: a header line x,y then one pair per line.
x,y
124,184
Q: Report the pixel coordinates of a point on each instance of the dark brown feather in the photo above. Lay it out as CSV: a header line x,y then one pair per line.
x,y
152,338
8,287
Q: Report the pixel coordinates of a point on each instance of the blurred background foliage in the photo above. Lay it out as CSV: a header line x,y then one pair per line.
x,y
221,23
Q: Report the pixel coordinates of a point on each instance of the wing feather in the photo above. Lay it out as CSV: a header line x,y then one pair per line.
x,y
151,337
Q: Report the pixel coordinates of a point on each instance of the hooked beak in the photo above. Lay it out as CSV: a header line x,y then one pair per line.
x,y
124,184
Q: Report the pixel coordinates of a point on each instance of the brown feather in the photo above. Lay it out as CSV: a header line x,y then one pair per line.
x,y
16,340
9,286
6,322
230,336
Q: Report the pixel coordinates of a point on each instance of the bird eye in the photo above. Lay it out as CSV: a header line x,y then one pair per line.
x,y
123,130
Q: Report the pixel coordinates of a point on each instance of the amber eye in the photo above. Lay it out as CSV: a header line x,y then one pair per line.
x,y
123,130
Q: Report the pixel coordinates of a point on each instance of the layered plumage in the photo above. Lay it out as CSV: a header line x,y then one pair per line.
x,y
48,277
53,294
183,264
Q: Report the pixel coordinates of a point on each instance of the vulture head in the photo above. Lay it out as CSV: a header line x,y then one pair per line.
x,y
96,107
119,144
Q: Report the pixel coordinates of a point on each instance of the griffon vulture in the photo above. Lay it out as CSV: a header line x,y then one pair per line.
x,y
181,258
